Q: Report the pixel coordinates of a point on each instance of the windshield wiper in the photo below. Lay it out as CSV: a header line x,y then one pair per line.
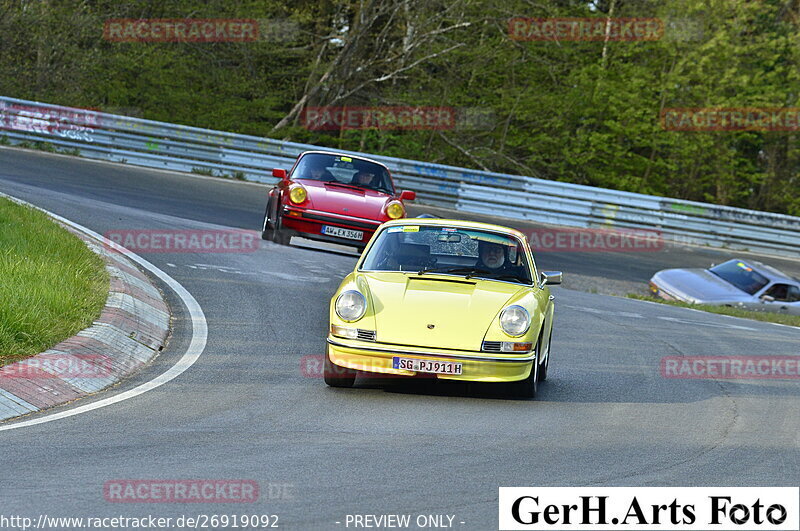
x,y
345,185
476,271
511,277
359,187
470,271
473,272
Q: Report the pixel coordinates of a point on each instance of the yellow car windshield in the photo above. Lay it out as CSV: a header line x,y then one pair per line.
x,y
449,250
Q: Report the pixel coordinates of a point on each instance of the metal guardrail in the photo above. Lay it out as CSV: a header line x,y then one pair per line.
x,y
154,144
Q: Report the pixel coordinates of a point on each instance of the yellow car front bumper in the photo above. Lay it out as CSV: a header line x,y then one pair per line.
x,y
476,366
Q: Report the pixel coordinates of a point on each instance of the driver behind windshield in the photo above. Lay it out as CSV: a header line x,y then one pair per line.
x,y
364,178
493,258
372,177
317,170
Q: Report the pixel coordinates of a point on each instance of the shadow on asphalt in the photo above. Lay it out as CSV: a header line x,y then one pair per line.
x,y
308,245
631,389
432,387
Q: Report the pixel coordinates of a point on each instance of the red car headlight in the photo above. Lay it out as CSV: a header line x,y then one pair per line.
x,y
395,210
298,194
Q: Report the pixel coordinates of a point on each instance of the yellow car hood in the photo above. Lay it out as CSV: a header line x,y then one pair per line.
x,y
435,311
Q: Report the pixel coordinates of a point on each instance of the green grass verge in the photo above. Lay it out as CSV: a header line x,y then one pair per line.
x,y
51,284
791,320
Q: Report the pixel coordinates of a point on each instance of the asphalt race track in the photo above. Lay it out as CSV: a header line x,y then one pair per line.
x,y
606,416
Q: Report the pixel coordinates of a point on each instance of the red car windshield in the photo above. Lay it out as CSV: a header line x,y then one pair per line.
x,y
343,170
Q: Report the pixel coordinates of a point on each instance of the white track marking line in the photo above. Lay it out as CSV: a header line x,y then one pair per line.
x,y
192,354
663,317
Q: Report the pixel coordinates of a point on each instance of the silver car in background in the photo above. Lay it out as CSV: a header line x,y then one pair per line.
x,y
740,283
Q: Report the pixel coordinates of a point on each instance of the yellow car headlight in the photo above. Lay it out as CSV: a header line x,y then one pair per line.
x,y
515,320
350,306
395,210
298,194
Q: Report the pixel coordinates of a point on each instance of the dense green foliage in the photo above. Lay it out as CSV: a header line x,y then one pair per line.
x,y
584,112
51,284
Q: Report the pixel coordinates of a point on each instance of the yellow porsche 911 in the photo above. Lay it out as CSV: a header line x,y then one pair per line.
x,y
457,300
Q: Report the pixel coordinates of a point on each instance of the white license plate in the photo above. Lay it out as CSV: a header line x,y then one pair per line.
x,y
342,233
417,365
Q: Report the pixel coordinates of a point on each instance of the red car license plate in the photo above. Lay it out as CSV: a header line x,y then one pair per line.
x,y
342,233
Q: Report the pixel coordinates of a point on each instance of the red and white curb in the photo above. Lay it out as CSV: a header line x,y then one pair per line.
x,y
132,328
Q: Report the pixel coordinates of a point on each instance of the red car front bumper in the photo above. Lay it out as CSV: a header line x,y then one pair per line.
x,y
308,223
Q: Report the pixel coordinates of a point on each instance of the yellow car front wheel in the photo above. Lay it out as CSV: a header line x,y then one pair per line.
x,y
336,376
546,358
528,387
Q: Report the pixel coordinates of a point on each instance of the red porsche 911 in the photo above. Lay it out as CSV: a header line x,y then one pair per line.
x,y
332,197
